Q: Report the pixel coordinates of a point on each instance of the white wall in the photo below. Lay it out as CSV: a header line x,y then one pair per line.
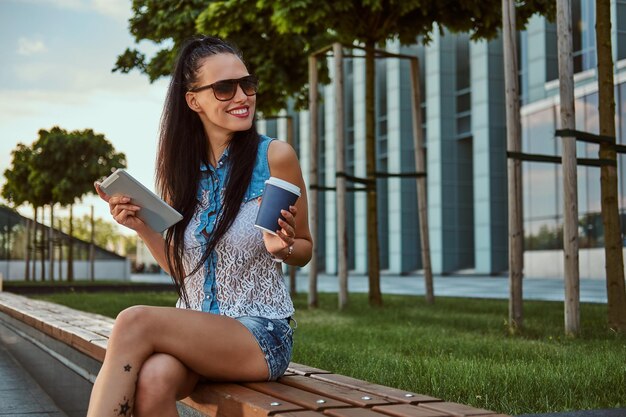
x,y
104,269
549,264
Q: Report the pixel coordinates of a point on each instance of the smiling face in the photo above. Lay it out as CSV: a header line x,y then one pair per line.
x,y
222,118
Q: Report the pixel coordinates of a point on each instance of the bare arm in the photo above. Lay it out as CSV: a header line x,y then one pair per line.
x,y
284,164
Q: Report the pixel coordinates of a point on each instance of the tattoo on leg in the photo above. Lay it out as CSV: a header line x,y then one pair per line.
x,y
124,408
127,368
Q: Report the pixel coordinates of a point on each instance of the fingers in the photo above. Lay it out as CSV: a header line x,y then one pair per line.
x,y
101,193
288,225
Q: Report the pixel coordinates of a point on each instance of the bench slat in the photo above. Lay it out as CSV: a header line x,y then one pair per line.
x,y
306,399
408,410
338,392
353,412
394,394
217,399
305,370
455,409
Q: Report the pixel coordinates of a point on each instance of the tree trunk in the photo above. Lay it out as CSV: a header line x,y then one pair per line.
x,y
42,245
514,168
313,177
420,166
51,243
28,249
340,161
70,247
92,249
570,181
373,263
60,230
608,178
35,227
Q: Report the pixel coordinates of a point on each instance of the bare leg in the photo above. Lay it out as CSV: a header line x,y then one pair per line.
x,y
163,379
213,346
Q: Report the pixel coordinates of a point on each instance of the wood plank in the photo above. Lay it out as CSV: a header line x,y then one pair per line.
x,y
338,392
218,399
308,400
299,369
307,413
455,409
393,394
408,410
353,412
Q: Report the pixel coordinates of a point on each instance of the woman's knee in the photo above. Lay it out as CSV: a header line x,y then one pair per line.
x,y
157,383
133,322
162,378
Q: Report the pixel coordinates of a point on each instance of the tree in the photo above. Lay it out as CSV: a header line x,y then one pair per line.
x,y
59,167
15,191
278,36
616,295
106,234
68,163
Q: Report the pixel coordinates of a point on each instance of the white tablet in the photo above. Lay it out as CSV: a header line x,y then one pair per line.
x,y
155,212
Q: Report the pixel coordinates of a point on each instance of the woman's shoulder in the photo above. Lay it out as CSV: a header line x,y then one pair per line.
x,y
281,153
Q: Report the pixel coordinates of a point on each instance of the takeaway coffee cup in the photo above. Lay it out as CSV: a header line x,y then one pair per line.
x,y
278,195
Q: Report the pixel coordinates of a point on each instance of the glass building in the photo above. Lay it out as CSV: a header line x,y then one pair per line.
x,y
464,122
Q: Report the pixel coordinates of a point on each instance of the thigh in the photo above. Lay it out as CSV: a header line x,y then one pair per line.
x,y
213,346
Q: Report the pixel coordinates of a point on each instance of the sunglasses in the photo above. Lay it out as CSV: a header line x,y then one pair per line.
x,y
225,90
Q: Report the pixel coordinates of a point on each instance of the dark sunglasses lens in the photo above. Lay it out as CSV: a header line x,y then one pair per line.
x,y
249,86
225,90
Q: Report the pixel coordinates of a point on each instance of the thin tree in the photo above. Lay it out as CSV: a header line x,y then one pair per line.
x,y
514,168
570,182
613,247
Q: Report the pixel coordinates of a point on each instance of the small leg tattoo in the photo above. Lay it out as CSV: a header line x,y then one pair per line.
x,y
127,368
124,408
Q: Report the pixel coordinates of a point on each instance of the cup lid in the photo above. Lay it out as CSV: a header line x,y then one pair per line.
x,y
284,184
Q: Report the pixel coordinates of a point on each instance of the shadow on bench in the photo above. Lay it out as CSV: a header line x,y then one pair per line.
x,y
302,392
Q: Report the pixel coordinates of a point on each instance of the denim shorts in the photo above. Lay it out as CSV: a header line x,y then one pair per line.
x,y
275,337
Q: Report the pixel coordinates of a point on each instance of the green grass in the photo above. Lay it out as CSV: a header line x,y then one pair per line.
x,y
458,350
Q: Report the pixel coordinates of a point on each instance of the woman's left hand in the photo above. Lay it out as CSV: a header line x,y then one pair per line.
x,y
278,245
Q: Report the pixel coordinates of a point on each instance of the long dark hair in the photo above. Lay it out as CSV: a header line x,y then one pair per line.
x,y
183,148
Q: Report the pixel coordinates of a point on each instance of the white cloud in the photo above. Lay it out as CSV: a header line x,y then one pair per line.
x,y
28,47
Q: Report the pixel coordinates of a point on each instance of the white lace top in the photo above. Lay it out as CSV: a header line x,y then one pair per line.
x,y
239,278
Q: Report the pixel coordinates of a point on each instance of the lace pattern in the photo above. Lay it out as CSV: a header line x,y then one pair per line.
x,y
248,282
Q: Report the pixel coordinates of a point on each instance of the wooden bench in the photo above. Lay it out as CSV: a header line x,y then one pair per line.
x,y
302,392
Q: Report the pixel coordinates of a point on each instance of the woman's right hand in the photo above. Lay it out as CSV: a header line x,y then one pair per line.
x,y
122,210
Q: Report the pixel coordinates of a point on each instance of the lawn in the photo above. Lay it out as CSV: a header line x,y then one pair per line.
x,y
458,349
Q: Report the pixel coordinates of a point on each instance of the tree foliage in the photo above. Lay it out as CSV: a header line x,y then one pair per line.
x,y
15,190
59,167
278,60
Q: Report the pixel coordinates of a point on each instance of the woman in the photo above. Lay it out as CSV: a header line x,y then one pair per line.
x,y
232,323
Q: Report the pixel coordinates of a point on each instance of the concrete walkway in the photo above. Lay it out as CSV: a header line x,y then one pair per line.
x,y
20,394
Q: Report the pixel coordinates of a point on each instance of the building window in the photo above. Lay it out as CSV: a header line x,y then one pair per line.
x,y
584,35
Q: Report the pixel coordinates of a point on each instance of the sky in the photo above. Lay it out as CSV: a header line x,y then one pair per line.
x,y
56,59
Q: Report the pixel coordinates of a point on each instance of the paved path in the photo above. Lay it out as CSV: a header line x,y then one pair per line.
x,y
20,395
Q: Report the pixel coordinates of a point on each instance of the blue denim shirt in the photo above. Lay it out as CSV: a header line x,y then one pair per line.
x,y
214,181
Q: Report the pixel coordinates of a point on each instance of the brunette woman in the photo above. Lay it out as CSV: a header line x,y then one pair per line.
x,y
234,311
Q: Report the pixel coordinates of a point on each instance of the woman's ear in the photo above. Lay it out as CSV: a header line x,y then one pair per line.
x,y
192,102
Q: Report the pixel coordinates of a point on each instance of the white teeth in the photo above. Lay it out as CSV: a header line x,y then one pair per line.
x,y
239,111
